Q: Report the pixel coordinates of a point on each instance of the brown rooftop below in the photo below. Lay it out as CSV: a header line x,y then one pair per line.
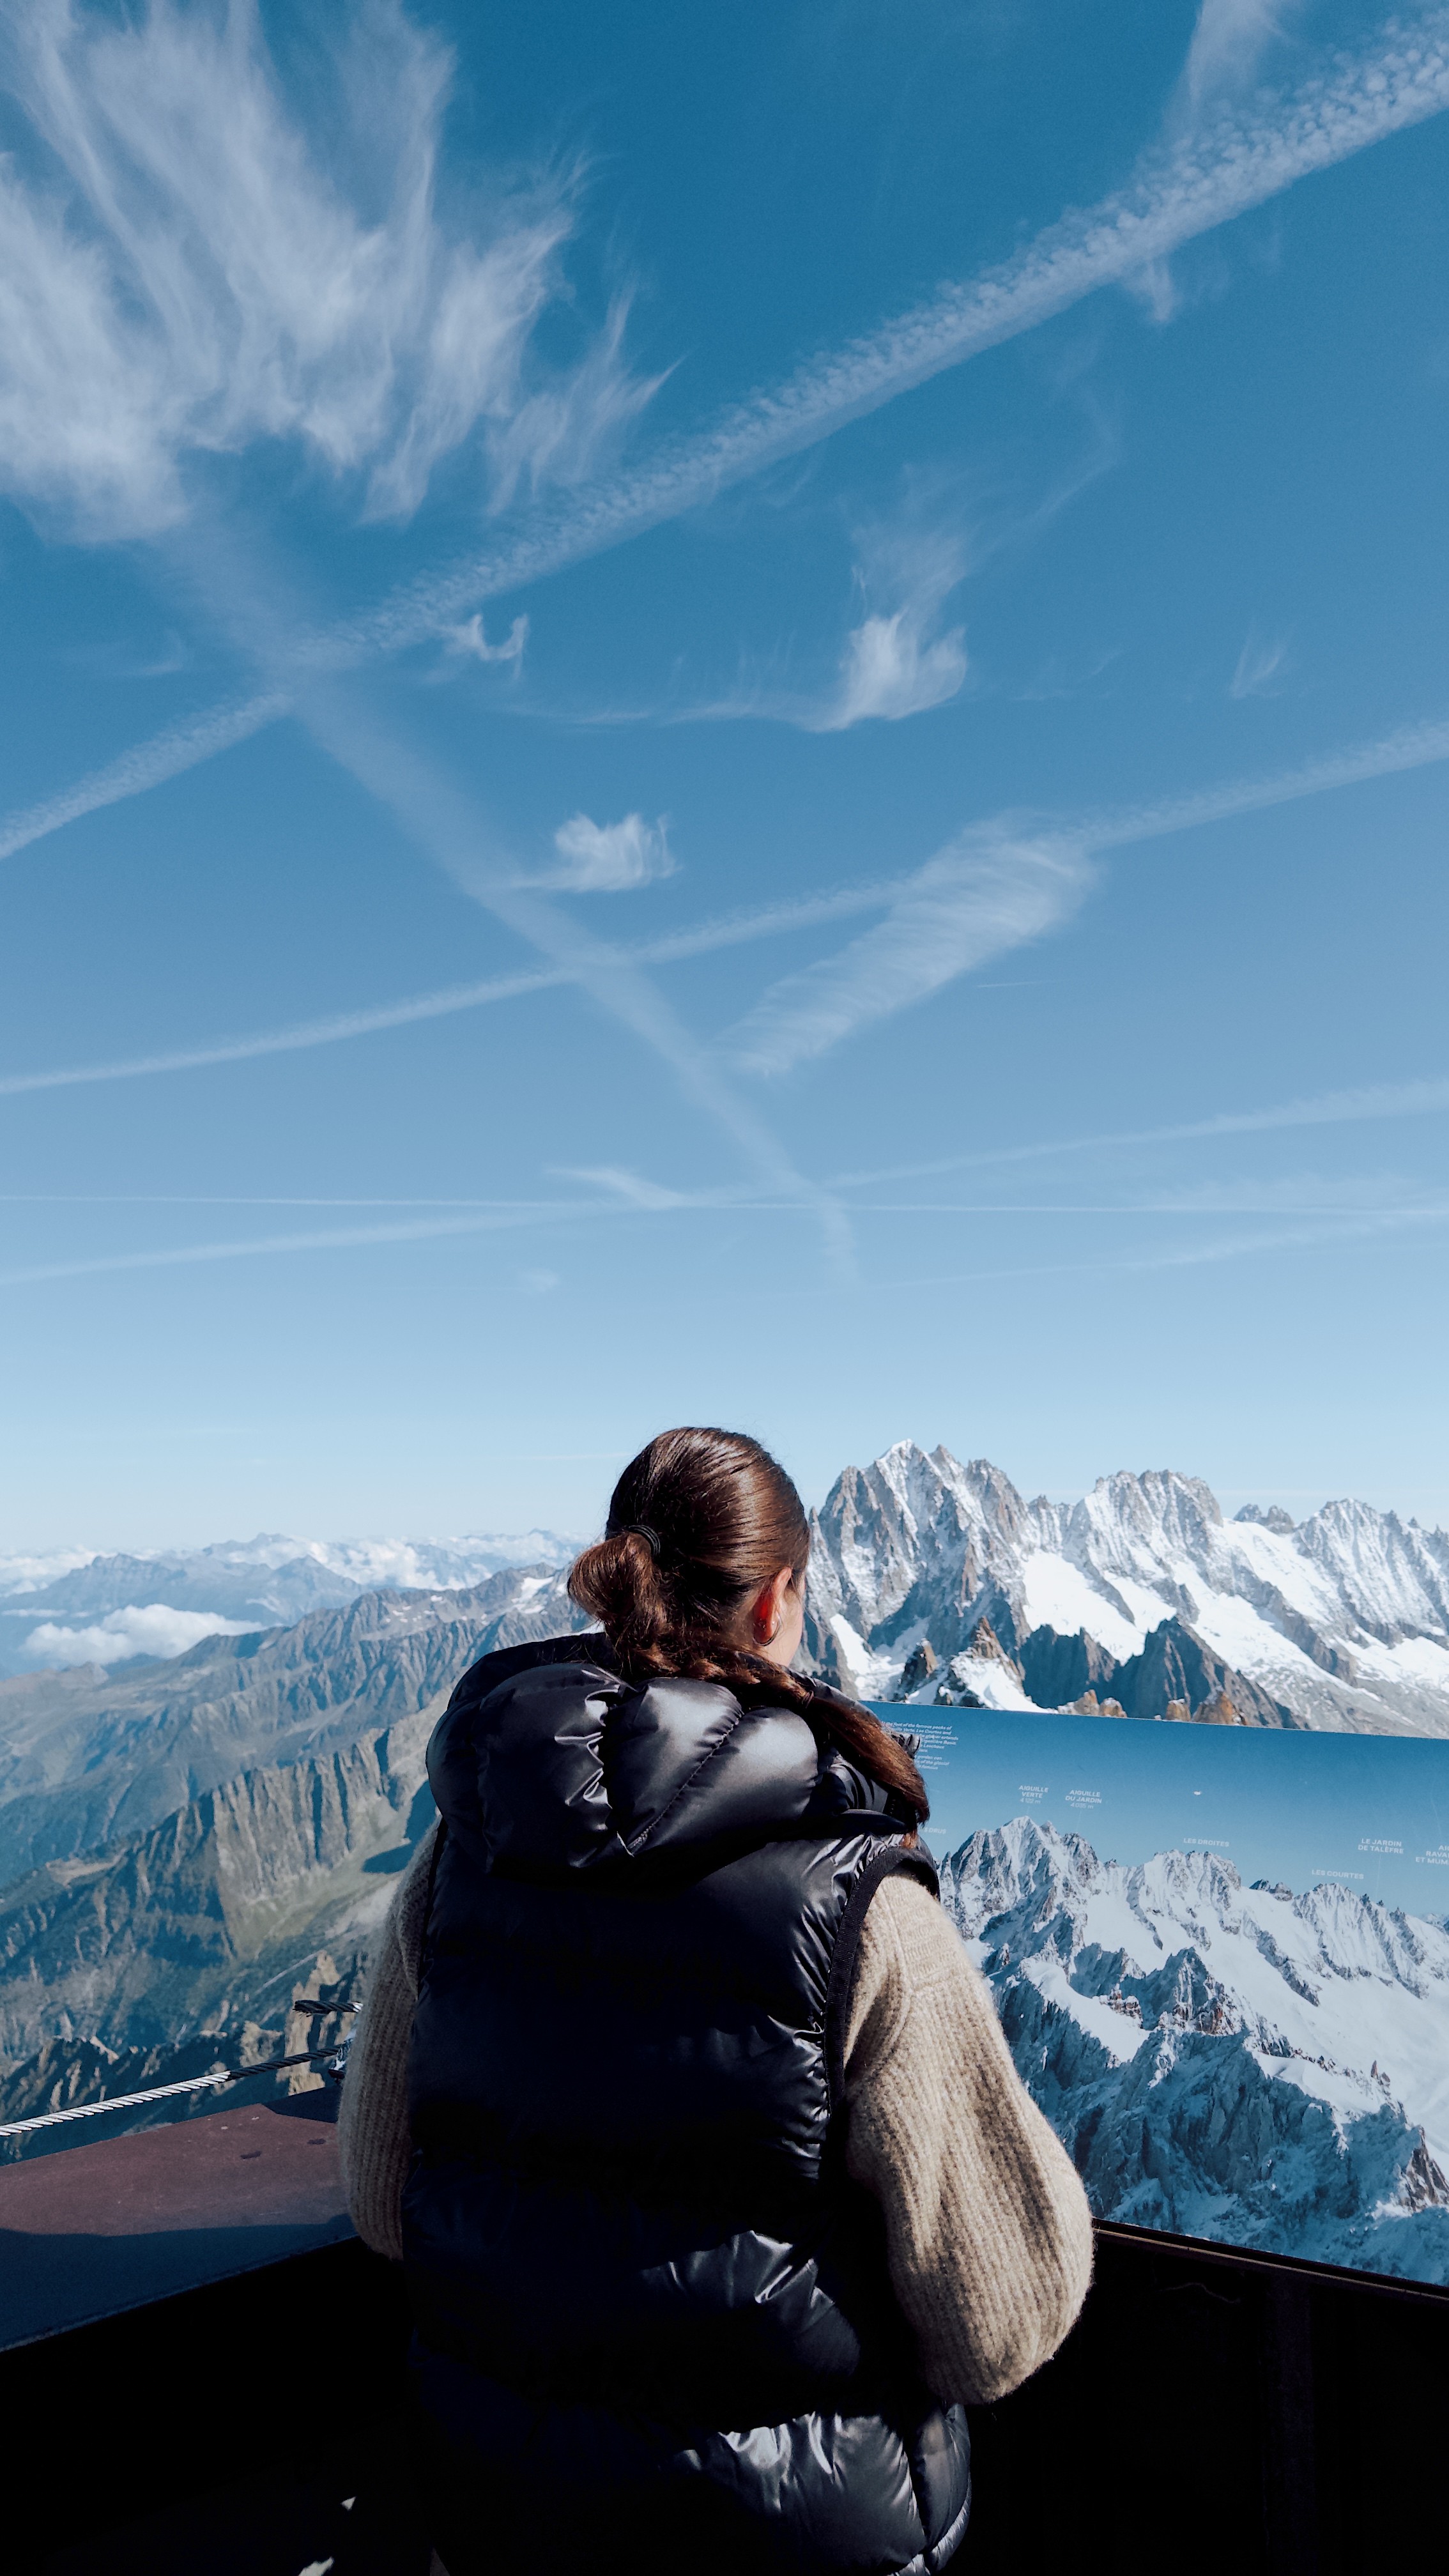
x,y
120,2221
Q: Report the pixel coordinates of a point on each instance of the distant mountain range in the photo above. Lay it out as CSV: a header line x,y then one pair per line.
x,y
1141,1593
1236,2062
74,1608
190,1840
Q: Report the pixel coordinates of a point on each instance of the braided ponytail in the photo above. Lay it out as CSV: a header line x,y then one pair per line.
x,y
700,1522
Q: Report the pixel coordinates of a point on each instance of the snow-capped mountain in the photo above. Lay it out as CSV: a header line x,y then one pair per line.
x,y
1237,2062
928,1578
77,1608
1140,1593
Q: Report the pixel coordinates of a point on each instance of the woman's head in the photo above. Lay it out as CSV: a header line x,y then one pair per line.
x,y
705,1548
701,1572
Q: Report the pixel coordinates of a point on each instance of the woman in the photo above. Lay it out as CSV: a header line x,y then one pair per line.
x,y
676,2095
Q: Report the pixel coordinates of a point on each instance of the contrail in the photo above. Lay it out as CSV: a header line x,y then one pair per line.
x,y
339,1239
729,931
1328,1109
1409,747
150,764
283,1041
1178,195
447,824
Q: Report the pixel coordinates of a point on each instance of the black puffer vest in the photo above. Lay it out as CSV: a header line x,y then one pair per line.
x,y
655,2328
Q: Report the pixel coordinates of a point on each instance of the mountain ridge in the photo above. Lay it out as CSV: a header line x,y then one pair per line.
x,y
1340,1621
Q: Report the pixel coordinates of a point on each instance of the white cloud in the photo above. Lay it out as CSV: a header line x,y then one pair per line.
x,y
561,433
891,671
471,640
1156,288
188,263
985,893
123,1634
1259,664
1228,45
539,1283
609,858
896,664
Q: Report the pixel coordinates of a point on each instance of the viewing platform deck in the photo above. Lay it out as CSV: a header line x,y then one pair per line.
x,y
202,2369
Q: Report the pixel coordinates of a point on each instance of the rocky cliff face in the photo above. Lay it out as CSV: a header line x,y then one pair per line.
x,y
1220,2060
1140,1592
162,1934
186,1842
86,1757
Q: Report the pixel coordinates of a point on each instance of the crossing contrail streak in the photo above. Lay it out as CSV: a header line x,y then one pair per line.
x,y
1409,747
730,931
1178,195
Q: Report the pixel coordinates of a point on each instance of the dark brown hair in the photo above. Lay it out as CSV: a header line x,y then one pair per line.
x,y
699,1523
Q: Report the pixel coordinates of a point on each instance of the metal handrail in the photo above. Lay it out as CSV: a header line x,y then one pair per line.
x,y
219,2076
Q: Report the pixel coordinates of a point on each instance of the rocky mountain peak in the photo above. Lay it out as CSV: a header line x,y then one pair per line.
x,y
1141,1593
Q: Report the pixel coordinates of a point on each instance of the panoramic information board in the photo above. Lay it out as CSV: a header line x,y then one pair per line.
x,y
1221,1960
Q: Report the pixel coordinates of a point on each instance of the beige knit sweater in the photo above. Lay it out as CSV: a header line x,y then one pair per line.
x,y
988,2234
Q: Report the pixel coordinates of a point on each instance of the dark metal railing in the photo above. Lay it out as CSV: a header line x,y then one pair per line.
x,y
219,2076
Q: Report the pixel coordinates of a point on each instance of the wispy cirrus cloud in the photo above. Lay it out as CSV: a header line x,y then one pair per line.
x,y
1261,663
987,892
899,661
1228,44
470,640
190,262
893,667
1183,189
1229,41
999,886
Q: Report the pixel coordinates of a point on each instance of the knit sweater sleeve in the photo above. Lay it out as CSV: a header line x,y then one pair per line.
x,y
372,2124
988,2233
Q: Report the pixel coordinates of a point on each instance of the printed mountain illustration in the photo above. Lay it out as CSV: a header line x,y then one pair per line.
x,y
933,1580
1237,2062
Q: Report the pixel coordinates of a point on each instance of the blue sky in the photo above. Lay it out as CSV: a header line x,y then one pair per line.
x,y
732,716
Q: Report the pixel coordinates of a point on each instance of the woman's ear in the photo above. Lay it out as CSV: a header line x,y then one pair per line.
x,y
770,1606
